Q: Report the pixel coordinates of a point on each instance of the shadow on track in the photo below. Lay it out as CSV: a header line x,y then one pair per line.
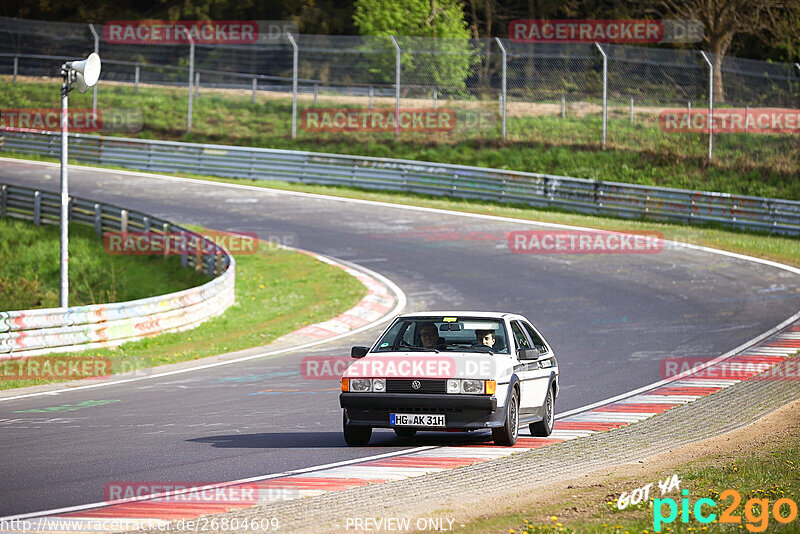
x,y
319,440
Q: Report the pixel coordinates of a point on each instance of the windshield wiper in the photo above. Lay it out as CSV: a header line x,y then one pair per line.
x,y
403,347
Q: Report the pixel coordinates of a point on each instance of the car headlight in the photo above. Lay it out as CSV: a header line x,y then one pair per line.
x,y
453,385
360,385
378,385
472,387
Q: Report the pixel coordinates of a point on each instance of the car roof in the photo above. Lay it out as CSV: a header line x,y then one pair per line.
x,y
461,313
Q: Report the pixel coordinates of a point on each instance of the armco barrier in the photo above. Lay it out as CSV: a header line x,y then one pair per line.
x,y
539,190
34,332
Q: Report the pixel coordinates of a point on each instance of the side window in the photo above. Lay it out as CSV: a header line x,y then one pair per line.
x,y
537,340
519,336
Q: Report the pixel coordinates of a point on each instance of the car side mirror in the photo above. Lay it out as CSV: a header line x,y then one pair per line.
x,y
528,354
358,352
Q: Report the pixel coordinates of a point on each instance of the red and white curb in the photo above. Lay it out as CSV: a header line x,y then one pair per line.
x,y
154,512
378,302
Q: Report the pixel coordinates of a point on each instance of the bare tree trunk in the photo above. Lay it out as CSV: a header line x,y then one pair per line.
x,y
719,47
486,65
530,67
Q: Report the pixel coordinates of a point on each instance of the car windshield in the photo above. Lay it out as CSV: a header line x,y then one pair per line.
x,y
450,334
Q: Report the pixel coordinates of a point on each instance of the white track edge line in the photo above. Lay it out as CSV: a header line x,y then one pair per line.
x,y
100,504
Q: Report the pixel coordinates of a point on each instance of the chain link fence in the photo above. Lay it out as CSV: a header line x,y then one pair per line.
x,y
495,89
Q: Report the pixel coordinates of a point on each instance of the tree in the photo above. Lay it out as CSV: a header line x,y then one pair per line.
x,y
445,62
725,19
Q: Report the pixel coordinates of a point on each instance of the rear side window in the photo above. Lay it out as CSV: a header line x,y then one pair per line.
x,y
538,342
519,336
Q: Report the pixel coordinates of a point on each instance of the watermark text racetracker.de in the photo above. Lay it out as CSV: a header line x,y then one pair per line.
x,y
583,242
605,31
78,120
178,491
745,368
377,120
54,368
731,120
386,366
151,243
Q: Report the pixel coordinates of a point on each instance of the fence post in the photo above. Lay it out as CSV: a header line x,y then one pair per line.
x,y
397,52
98,219
605,92
710,104
123,221
197,84
136,80
746,117
96,51
631,110
294,84
191,79
435,99
16,68
316,93
371,95
503,94
563,106
37,208
255,87
3,199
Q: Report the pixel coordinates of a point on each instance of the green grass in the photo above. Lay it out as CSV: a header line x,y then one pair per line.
x,y
768,472
29,272
763,165
277,292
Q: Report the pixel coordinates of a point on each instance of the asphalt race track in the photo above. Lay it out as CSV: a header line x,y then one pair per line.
x,y
610,318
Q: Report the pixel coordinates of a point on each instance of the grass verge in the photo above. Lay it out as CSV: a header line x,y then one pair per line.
x,y
761,469
29,274
538,141
277,292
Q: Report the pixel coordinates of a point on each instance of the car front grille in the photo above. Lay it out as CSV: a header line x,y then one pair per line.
x,y
407,386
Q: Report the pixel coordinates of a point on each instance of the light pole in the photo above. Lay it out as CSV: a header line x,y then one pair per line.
x,y
82,74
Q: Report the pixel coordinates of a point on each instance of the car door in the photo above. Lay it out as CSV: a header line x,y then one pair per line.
x,y
537,385
527,370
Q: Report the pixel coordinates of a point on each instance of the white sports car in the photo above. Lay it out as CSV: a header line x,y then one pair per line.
x,y
451,370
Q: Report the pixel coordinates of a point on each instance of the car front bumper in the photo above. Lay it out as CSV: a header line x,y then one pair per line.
x,y
465,412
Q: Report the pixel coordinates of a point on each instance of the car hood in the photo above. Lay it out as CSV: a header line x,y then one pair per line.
x,y
430,365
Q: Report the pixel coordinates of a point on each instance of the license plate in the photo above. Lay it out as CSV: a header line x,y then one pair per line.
x,y
409,419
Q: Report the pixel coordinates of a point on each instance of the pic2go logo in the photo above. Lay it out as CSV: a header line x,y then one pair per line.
x,y
756,511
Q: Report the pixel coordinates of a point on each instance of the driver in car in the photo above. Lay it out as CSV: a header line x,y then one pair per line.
x,y
485,337
429,335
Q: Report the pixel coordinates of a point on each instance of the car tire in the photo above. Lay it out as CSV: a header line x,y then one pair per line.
x,y
405,432
544,428
506,435
355,436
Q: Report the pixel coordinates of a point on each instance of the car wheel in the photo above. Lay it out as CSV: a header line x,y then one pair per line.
x,y
405,432
543,428
507,434
355,436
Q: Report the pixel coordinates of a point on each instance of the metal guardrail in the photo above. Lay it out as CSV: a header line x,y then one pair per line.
x,y
41,331
539,190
